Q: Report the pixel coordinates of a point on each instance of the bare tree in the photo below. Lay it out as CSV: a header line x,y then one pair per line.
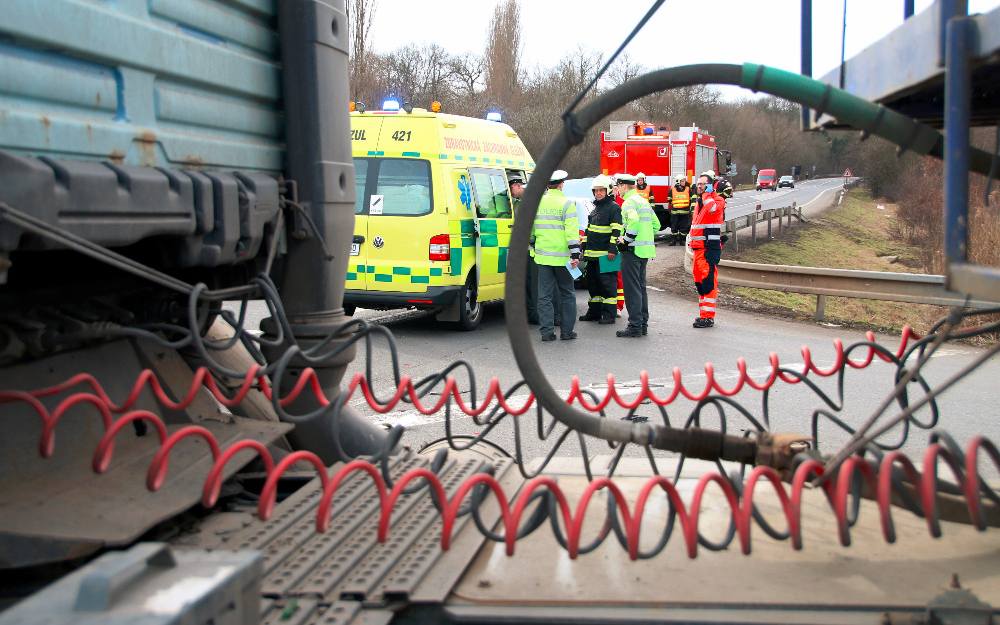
x,y
503,55
360,17
623,70
468,73
419,74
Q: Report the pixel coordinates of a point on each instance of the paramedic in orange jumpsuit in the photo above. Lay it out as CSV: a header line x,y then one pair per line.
x,y
706,243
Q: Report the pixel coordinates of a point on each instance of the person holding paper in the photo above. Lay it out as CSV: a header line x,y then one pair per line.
x,y
603,229
556,234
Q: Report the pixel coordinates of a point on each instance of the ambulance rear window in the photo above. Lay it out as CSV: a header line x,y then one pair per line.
x,y
403,183
360,176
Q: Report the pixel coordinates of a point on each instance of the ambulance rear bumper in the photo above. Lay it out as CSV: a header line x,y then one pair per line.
x,y
433,297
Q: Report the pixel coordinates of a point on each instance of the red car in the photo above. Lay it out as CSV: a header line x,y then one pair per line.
x,y
767,179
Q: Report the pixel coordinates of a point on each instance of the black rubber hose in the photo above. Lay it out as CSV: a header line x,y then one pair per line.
x,y
872,118
514,305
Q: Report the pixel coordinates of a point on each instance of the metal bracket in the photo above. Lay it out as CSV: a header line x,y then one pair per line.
x,y
958,606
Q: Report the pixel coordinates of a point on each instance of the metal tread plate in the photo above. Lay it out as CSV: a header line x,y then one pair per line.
x,y
322,560
345,575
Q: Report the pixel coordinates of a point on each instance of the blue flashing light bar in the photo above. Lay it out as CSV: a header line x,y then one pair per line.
x,y
390,105
494,116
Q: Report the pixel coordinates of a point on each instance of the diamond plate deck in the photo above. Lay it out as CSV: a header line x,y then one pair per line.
x,y
345,575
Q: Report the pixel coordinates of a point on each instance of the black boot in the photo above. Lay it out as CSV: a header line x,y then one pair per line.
x,y
608,313
593,313
703,322
629,333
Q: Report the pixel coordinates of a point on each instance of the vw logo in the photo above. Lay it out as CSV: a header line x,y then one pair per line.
x,y
378,242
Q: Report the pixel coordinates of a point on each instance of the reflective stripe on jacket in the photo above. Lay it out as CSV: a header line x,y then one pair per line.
x,y
556,230
680,200
640,224
603,227
707,222
647,194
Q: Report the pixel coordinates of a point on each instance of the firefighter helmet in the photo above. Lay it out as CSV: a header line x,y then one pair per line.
x,y
680,178
602,182
709,174
640,175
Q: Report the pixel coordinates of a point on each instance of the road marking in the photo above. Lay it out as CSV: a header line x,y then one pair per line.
x,y
819,195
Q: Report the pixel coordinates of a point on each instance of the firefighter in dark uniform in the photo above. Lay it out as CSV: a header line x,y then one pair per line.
x,y
604,227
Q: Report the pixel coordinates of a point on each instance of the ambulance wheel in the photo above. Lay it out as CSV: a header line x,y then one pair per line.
x,y
470,309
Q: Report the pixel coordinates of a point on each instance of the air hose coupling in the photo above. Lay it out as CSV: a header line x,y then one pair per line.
x,y
779,450
706,444
774,450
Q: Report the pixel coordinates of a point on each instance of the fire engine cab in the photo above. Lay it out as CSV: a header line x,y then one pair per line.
x,y
662,154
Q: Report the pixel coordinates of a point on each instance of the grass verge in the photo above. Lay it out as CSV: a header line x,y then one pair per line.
x,y
859,234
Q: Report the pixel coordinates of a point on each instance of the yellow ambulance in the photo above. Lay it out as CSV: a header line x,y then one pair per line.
x,y
433,212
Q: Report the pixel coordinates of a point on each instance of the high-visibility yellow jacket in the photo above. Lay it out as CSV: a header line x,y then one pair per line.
x,y
556,230
640,224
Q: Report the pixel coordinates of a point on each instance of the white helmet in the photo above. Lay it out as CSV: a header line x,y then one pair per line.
x,y
602,182
640,175
680,178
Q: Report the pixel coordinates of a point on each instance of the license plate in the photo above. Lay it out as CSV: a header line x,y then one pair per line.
x,y
355,249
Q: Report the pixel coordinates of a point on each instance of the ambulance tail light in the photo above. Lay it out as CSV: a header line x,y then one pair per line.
x,y
440,247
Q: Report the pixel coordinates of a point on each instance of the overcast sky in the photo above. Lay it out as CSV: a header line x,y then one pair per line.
x,y
759,31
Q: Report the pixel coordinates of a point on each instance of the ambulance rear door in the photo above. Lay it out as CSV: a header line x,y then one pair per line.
x,y
364,141
494,221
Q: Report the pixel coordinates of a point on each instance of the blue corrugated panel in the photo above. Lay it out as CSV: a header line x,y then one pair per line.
x,y
144,82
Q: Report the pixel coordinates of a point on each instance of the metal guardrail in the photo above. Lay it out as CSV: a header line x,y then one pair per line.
x,y
822,282
918,288
764,218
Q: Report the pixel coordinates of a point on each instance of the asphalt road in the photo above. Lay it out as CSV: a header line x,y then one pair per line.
x,y
807,193
425,347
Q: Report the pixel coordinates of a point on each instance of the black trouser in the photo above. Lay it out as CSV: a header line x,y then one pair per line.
x,y
603,289
636,298
680,225
555,293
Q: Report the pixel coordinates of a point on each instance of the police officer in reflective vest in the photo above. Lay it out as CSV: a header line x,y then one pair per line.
x,y
636,245
604,228
679,199
706,243
556,236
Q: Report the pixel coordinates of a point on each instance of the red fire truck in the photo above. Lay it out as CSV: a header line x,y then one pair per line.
x,y
662,154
